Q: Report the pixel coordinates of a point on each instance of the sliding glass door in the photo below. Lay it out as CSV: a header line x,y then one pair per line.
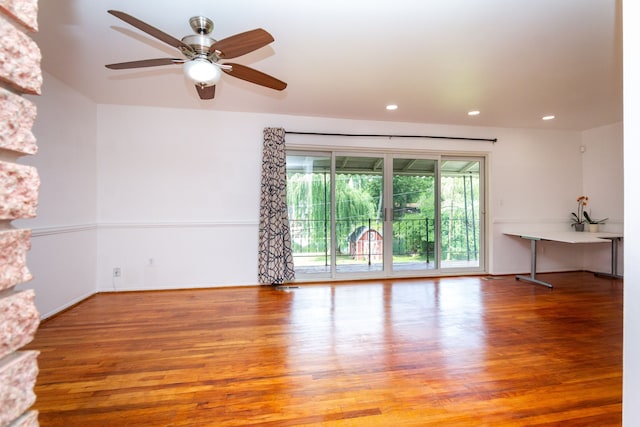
x,y
414,214
461,213
309,208
383,215
335,206
359,213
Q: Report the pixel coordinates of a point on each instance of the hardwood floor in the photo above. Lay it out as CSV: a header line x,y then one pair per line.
x,y
429,352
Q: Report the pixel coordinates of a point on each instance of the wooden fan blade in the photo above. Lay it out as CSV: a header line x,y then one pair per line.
x,y
242,43
144,63
206,92
152,31
254,76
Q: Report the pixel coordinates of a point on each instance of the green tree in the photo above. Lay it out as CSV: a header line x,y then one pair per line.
x,y
460,209
309,207
359,202
355,206
414,212
308,203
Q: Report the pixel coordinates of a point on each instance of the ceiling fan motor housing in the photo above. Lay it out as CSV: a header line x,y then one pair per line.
x,y
200,44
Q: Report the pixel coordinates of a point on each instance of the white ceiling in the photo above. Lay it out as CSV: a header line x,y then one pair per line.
x,y
514,60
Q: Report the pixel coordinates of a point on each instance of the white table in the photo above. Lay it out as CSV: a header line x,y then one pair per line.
x,y
568,237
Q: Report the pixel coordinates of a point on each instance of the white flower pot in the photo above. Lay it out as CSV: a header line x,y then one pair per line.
x,y
593,228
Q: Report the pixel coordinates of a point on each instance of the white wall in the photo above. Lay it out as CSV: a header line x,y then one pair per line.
x,y
178,190
177,197
62,258
631,374
171,196
535,179
603,174
603,182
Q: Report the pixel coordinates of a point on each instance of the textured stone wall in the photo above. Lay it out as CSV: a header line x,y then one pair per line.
x,y
20,74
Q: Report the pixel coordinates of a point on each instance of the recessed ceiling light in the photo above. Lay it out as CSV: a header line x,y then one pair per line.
x,y
391,107
551,117
473,113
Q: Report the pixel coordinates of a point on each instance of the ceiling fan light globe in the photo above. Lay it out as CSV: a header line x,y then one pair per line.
x,y
202,72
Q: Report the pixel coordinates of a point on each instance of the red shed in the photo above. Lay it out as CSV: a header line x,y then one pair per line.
x,y
365,244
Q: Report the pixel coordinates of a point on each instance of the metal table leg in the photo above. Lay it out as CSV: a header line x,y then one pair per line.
x,y
614,259
532,276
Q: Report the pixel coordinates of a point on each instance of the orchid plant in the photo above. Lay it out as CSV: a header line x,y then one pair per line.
x,y
582,216
578,217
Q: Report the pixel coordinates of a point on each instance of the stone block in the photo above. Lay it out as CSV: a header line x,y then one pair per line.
x,y
20,320
19,59
17,116
14,245
19,186
23,11
18,373
29,419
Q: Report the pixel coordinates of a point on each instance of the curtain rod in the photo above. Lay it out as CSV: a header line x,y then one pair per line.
x,y
494,140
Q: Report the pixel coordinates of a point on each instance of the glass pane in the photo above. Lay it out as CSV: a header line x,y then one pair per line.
x,y
460,213
309,208
359,214
413,214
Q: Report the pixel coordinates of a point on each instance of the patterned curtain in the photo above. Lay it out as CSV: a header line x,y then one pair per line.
x,y
275,260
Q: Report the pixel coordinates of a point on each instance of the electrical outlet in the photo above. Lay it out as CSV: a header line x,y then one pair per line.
x,y
117,272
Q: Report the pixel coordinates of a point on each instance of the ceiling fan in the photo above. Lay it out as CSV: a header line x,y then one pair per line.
x,y
203,53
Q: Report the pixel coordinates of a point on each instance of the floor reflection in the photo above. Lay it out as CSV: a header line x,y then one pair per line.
x,y
368,327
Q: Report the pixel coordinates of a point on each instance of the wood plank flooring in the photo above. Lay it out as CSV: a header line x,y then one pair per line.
x,y
462,351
